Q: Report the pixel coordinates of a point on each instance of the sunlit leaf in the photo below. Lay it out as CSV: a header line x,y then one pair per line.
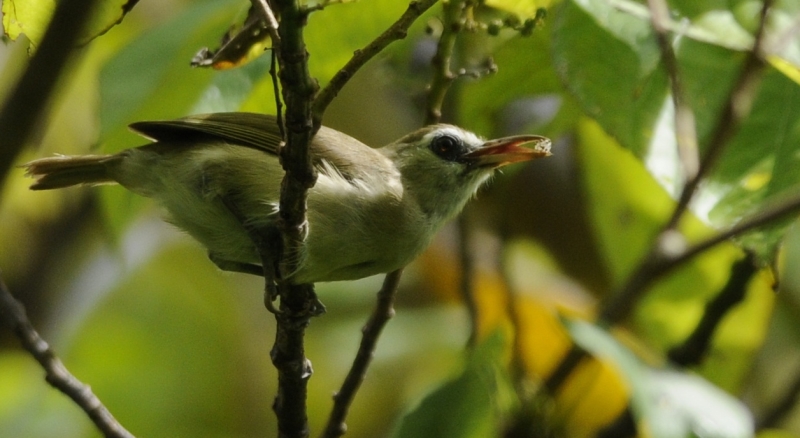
x,y
522,8
31,17
669,404
686,405
629,99
27,17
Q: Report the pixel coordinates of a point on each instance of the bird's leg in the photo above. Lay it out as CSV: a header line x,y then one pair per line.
x,y
261,240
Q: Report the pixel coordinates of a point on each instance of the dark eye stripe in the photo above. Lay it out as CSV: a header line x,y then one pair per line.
x,y
447,147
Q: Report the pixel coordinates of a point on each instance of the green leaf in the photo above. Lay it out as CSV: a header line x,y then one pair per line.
x,y
623,89
626,91
464,407
627,208
31,17
27,17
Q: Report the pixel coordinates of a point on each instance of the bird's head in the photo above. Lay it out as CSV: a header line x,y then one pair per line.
x,y
443,166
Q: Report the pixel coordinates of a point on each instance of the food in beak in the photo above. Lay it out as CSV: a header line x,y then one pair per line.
x,y
507,150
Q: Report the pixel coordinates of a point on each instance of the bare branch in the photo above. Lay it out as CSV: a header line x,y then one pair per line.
x,y
13,316
396,31
371,332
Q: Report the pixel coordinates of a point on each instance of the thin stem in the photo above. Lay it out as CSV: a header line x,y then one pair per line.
x,y
443,76
371,332
685,129
397,31
736,109
13,316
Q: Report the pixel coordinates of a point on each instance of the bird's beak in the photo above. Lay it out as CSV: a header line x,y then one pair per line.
x,y
507,150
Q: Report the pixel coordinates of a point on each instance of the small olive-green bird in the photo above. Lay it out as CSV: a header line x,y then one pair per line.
x,y
371,211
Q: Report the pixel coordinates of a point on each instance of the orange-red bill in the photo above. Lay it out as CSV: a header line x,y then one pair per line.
x,y
507,150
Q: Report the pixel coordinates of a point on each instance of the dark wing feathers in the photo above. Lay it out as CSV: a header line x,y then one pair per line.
x,y
258,131
261,132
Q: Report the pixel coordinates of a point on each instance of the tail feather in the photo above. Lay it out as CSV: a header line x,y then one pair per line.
x,y
66,171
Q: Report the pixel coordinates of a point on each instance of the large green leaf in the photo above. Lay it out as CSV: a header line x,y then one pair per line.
x,y
609,60
466,406
627,208
626,91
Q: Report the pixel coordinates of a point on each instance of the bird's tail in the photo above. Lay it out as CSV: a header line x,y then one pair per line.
x,y
66,171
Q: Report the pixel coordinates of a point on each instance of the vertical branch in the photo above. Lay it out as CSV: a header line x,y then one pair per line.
x,y
736,109
298,303
13,316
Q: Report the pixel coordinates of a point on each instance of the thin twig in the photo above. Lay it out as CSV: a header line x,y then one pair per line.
x,y
270,21
736,109
24,106
397,31
272,27
685,128
13,316
371,332
443,76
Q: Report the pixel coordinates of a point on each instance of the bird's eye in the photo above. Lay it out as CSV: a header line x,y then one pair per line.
x,y
447,147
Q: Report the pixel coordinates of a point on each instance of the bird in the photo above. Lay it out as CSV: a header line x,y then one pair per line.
x,y
371,211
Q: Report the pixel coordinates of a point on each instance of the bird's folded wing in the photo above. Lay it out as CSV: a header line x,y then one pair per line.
x,y
258,131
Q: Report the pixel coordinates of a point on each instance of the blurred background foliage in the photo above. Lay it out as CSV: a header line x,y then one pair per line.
x,y
175,347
